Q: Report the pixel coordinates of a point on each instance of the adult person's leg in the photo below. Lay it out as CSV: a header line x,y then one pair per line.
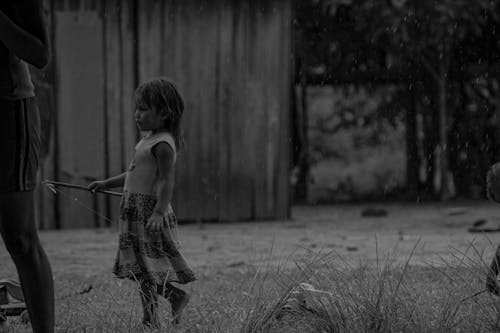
x,y
17,226
23,38
19,146
18,229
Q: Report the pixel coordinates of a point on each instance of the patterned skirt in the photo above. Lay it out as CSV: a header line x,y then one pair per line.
x,y
142,255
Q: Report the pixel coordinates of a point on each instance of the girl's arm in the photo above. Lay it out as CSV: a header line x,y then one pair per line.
x,y
116,181
165,162
28,39
164,155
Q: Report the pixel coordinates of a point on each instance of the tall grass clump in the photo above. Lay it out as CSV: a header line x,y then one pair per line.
x,y
315,292
389,296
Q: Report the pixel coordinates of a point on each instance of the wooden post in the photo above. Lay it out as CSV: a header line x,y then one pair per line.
x,y
445,186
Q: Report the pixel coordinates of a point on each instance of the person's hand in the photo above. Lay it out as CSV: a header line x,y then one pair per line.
x,y
98,185
492,284
155,223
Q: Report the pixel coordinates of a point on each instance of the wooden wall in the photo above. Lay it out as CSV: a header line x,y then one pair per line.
x,y
232,62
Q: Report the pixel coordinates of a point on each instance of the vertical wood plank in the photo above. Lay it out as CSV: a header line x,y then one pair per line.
x,y
239,180
231,60
80,111
149,42
224,74
274,107
129,79
182,72
114,110
283,202
169,67
202,19
250,174
259,94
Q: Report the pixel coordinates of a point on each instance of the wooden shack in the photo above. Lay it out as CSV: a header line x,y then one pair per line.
x,y
232,60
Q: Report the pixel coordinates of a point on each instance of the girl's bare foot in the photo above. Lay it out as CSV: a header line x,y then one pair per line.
x,y
4,325
178,303
150,320
154,324
149,302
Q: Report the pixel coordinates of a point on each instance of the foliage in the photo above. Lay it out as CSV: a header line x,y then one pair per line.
x,y
433,50
360,35
356,138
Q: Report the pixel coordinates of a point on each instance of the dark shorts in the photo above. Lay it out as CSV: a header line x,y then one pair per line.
x,y
19,144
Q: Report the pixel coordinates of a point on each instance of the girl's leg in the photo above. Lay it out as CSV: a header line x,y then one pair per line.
x,y
178,299
149,301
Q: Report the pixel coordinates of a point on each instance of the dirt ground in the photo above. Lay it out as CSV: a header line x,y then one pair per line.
x,y
436,233
227,257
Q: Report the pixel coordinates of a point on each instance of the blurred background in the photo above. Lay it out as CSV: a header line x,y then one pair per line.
x,y
288,102
400,98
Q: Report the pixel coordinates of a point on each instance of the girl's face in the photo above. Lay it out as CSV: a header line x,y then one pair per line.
x,y
148,119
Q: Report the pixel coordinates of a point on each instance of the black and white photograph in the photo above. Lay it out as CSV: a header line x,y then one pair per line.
x,y
249,166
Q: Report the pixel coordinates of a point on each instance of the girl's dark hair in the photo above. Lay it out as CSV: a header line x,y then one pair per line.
x,y
162,95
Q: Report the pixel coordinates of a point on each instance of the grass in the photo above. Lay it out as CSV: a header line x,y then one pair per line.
x,y
385,297
402,298
300,288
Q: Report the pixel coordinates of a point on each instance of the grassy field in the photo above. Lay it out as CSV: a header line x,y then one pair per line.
x,y
327,270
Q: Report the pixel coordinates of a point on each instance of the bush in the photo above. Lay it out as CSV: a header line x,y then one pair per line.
x,y
357,146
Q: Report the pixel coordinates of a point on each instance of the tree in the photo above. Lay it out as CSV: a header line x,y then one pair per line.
x,y
428,41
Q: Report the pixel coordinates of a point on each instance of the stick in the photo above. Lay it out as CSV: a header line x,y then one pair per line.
x,y
474,295
78,187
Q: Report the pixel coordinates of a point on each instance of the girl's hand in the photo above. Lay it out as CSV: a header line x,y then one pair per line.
x,y
155,223
98,185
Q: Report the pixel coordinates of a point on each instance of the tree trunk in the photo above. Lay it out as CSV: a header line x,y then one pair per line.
x,y
458,157
430,142
412,158
445,180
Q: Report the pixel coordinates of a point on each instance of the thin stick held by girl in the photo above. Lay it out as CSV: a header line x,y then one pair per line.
x,y
148,250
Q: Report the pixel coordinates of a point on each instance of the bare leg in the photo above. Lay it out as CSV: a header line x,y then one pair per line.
x,y
178,299
491,278
18,229
149,301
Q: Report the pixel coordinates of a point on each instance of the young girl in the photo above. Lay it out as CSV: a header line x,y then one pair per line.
x,y
148,246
